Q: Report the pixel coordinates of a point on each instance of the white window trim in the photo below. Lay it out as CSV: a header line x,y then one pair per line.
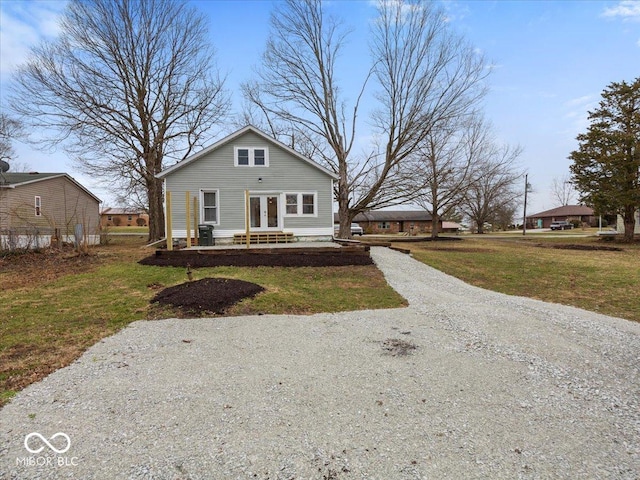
x,y
37,206
217,192
251,156
299,204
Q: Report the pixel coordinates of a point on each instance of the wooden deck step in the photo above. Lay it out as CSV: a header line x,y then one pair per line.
x,y
264,237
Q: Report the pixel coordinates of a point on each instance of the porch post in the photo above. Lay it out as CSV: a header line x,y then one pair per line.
x,y
169,232
246,220
187,217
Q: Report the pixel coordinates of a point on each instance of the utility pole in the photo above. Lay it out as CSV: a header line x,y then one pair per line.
x,y
524,214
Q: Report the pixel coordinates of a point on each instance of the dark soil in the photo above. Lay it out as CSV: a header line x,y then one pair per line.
x,y
213,295
197,260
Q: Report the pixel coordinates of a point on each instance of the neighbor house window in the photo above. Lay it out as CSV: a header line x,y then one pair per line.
x,y
38,206
209,202
384,225
251,157
299,204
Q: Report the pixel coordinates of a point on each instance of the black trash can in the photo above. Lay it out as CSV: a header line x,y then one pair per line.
x,y
205,235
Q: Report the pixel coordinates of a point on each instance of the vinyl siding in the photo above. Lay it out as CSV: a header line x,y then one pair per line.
x,y
63,205
216,171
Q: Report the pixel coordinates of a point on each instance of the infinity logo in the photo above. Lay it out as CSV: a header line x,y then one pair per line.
x,y
38,450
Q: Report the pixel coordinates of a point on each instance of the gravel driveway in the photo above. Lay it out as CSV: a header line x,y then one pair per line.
x,y
496,387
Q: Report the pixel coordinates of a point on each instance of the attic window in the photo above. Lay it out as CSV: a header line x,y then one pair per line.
x,y
38,206
251,157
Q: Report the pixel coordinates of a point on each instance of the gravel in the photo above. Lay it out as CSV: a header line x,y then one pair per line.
x,y
464,383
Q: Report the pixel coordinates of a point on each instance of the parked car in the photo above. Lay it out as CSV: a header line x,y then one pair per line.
x,y
355,229
561,225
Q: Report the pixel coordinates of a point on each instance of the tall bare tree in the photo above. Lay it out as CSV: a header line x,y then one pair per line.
x,y
128,85
562,191
492,196
446,164
423,74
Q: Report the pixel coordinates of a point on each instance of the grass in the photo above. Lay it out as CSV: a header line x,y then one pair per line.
x,y
136,229
48,320
601,281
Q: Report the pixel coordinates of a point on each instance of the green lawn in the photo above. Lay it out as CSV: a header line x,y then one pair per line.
x,y
602,281
48,322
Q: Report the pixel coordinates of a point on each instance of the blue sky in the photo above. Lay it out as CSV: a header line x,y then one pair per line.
x,y
552,59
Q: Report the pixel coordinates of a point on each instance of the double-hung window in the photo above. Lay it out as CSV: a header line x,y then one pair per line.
x,y
37,206
292,203
210,203
251,157
301,204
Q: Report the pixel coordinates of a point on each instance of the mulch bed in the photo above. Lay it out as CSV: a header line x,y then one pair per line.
x,y
196,260
213,295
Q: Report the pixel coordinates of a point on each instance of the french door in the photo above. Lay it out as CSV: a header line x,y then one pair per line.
x,y
264,212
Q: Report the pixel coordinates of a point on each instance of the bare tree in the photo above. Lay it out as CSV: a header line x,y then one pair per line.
x,y
10,130
424,74
492,194
562,191
445,166
126,86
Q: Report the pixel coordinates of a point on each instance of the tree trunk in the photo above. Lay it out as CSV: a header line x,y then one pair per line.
x,y
344,214
435,220
156,209
629,223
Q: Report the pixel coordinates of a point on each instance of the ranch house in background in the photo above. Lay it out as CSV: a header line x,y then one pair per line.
x,y
578,213
250,181
412,222
37,209
123,217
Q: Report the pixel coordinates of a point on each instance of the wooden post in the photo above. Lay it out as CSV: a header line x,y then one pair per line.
x,y
187,217
195,220
169,233
247,221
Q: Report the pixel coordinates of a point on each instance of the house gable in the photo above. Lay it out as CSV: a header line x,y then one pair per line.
x,y
45,202
236,138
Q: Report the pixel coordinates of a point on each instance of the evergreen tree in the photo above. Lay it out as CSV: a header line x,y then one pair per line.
x,y
606,166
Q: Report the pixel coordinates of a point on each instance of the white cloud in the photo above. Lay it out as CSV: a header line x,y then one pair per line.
x,y
22,26
579,101
626,9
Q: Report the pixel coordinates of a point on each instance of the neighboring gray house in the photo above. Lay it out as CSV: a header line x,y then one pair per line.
x,y
36,206
620,223
249,179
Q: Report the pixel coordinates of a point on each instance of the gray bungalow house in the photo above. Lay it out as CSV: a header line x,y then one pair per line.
x,y
249,181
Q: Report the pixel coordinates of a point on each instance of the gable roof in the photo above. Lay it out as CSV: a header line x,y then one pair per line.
x,y
13,180
122,211
233,136
565,211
